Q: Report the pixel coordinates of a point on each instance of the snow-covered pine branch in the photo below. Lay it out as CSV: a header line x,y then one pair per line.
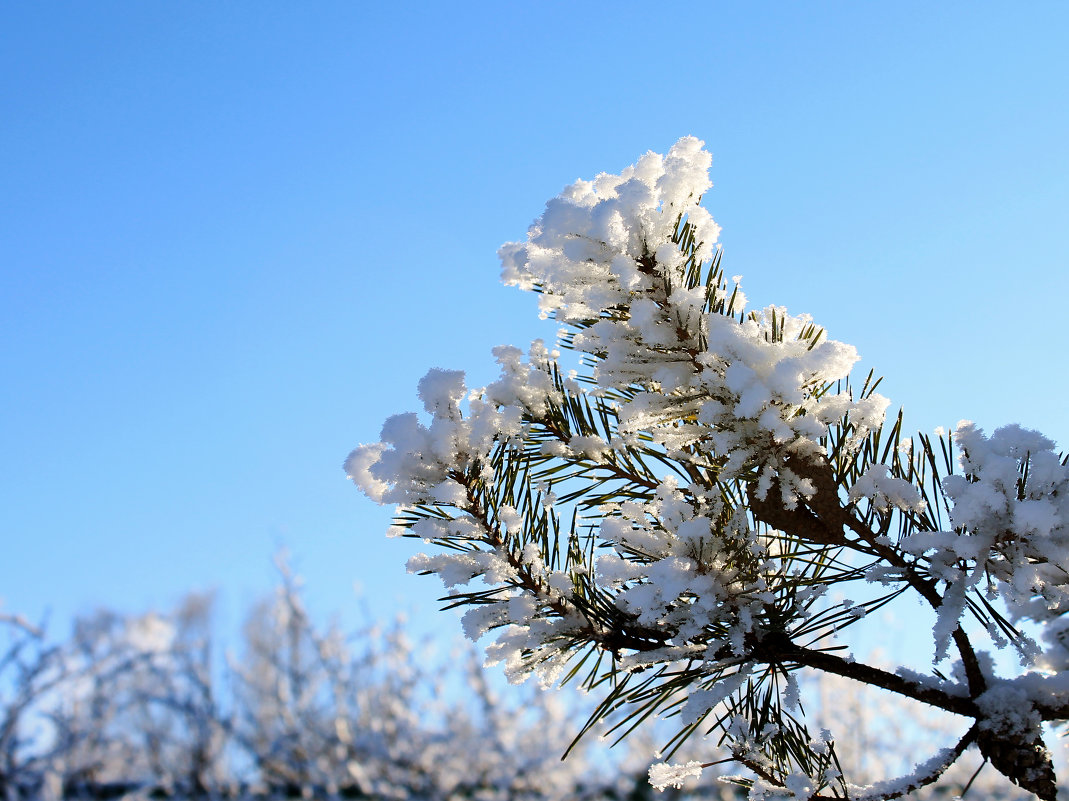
x,y
666,520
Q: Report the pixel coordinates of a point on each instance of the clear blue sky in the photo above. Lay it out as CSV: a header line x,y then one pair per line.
x,y
234,235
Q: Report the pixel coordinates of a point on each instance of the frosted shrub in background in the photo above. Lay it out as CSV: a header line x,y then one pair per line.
x,y
132,707
664,522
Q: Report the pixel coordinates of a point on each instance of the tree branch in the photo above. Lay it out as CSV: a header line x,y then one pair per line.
x,y
778,648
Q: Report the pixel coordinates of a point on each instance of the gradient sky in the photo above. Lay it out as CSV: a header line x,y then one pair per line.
x,y
234,235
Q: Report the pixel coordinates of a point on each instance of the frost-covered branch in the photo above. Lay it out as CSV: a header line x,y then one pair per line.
x,y
662,512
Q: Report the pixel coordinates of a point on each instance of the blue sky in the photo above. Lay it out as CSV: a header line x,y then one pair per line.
x,y
235,235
